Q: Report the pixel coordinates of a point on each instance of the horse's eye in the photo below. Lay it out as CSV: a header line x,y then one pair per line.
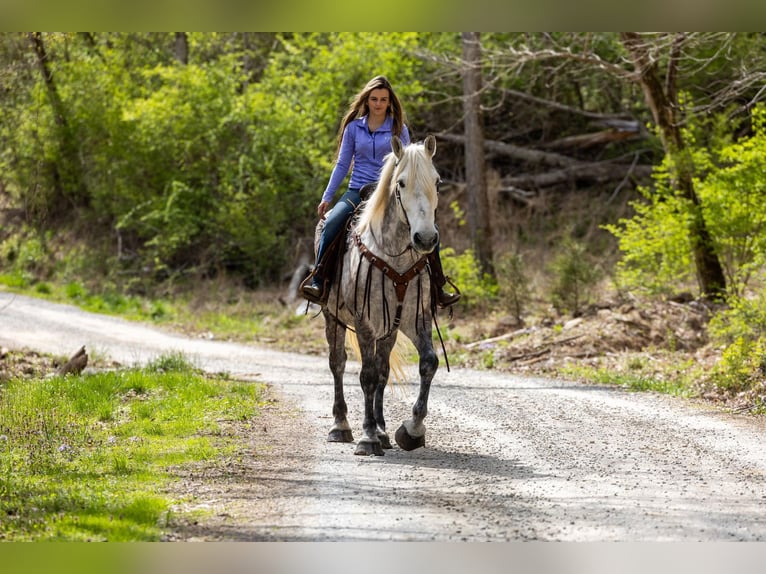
x,y
400,184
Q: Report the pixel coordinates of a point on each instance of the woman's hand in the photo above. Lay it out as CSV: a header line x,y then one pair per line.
x,y
322,209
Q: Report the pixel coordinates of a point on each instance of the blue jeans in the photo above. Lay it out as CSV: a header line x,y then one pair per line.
x,y
336,221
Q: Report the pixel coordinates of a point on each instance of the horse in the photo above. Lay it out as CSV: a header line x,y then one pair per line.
x,y
382,285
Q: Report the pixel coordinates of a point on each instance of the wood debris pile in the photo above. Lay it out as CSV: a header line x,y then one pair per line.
x,y
602,331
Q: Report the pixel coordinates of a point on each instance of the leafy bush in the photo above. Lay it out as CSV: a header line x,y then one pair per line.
x,y
657,254
744,319
575,275
465,272
742,365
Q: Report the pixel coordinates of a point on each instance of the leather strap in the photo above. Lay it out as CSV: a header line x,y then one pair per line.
x,y
400,280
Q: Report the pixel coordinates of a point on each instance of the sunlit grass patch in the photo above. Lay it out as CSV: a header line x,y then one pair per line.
x,y
88,457
631,380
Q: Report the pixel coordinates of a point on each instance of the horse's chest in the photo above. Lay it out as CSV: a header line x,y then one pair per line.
x,y
382,297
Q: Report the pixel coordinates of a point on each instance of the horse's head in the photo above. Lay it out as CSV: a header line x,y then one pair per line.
x,y
415,181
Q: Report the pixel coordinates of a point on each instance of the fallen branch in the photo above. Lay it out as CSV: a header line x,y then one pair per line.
x,y
525,357
535,358
517,152
583,141
600,172
504,337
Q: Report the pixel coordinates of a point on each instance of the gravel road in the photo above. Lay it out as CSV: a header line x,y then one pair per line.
x,y
506,457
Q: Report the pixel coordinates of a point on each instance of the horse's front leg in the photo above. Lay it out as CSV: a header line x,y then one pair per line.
x,y
382,358
369,378
412,433
335,332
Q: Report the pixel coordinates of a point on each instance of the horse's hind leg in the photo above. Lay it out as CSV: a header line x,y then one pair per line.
x,y
412,433
336,339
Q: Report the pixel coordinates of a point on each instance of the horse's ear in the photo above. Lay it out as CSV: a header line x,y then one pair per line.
x,y
397,147
430,144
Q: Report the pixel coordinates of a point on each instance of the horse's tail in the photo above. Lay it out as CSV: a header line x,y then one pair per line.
x,y
397,361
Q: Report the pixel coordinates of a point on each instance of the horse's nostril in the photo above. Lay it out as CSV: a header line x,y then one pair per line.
x,y
417,238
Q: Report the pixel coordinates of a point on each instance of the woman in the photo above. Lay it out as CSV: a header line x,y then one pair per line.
x,y
364,140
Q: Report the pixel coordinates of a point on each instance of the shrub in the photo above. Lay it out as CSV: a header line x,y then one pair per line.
x,y
513,284
465,272
742,365
657,254
574,277
745,319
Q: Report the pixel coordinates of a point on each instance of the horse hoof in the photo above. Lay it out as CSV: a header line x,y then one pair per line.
x,y
368,447
385,442
407,442
340,435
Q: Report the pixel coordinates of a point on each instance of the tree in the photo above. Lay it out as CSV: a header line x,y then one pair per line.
x,y
682,78
478,203
665,107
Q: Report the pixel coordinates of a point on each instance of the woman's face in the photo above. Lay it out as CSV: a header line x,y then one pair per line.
x,y
378,102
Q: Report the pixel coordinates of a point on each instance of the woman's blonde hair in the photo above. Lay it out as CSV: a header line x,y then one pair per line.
x,y
359,107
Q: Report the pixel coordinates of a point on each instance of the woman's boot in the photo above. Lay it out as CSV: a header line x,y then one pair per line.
x,y
315,287
444,298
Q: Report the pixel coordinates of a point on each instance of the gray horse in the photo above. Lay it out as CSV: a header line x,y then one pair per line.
x,y
382,285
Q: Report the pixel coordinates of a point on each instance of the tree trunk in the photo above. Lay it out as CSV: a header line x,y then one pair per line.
x,y
663,104
65,170
182,48
478,202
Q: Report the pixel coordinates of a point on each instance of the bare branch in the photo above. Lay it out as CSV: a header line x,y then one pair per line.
x,y
562,107
520,57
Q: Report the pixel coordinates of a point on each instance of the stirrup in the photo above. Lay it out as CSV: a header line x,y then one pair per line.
x,y
444,299
311,292
449,299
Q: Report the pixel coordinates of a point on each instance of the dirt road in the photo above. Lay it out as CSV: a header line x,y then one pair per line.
x,y
506,458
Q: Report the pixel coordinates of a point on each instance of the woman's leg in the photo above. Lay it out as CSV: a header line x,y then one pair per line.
x,y
318,288
443,298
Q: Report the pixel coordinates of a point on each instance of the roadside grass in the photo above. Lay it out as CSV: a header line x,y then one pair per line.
x,y
90,458
637,376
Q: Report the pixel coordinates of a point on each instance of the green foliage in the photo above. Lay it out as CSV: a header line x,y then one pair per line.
x,y
742,365
87,457
171,363
465,272
734,194
575,275
657,256
25,252
198,168
744,319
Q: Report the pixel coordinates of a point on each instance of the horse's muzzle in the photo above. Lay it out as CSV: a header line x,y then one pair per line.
x,y
425,242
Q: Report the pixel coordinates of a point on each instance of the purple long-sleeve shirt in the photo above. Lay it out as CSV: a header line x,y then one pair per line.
x,y
366,150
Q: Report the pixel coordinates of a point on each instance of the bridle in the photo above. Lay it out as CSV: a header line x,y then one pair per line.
x,y
398,196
